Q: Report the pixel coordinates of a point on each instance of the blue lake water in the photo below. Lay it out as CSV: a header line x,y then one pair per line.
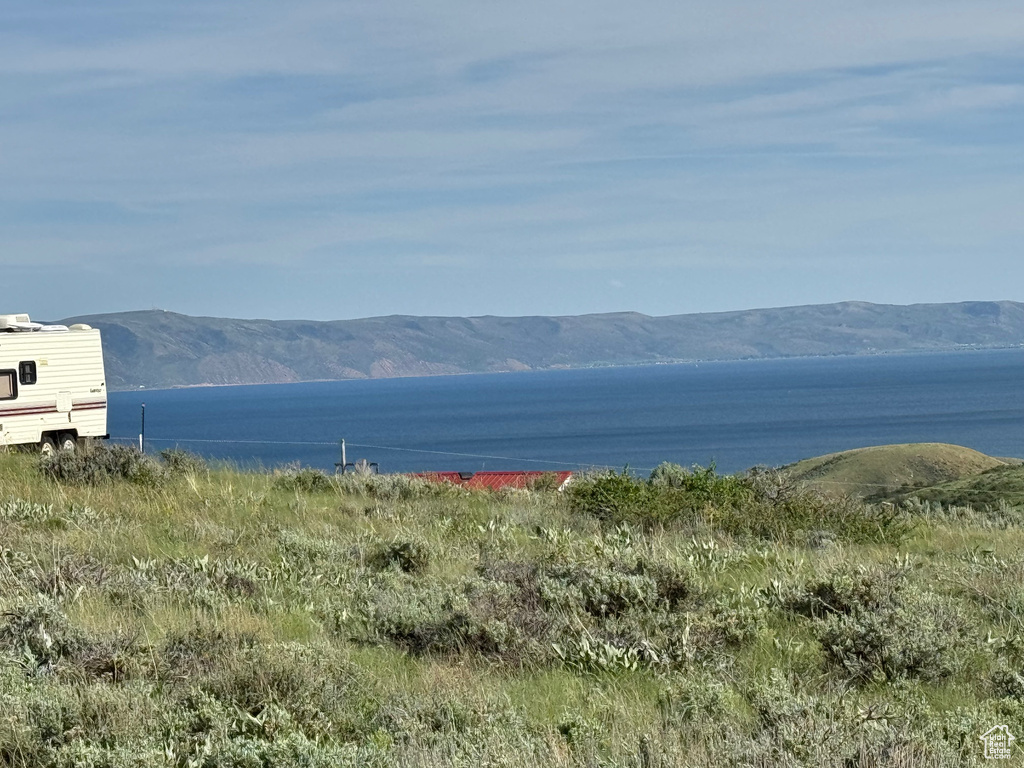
x,y
736,414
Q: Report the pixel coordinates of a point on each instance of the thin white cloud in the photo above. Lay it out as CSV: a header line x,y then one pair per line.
x,y
472,134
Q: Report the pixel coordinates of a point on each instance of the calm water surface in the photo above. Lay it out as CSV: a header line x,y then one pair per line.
x,y
736,414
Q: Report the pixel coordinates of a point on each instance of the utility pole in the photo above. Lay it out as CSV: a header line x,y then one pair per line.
x,y
341,467
142,433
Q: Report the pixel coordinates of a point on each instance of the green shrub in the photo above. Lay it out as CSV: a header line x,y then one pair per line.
x,y
847,590
618,497
393,487
923,636
778,509
111,658
874,624
407,556
762,503
439,621
304,479
40,637
586,653
74,467
544,483
181,462
198,650
39,634
694,697
90,466
608,591
68,574
21,511
1008,682
699,487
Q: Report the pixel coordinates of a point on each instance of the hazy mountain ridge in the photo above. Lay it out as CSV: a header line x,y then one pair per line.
x,y
155,348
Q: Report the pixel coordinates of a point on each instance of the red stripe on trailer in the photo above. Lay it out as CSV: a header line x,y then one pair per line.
x,y
28,410
33,410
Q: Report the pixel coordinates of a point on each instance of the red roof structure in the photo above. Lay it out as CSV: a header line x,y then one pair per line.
x,y
495,480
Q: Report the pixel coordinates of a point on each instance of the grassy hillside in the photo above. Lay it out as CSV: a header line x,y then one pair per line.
x,y
186,617
881,471
997,486
160,349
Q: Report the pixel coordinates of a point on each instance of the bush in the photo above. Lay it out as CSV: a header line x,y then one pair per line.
x,y
598,591
761,503
1008,682
40,637
393,487
441,621
304,479
544,483
180,462
874,624
923,636
39,634
847,590
407,556
699,487
615,498
91,466
780,509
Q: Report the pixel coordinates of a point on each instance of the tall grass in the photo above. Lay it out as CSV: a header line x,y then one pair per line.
x,y
206,617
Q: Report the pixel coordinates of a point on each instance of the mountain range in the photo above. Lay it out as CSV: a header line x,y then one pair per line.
x,y
156,348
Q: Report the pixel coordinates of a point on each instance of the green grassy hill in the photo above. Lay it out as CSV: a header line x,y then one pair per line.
x,y
1002,484
178,616
881,471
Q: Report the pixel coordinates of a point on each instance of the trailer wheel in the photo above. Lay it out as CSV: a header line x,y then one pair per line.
x,y
67,442
47,447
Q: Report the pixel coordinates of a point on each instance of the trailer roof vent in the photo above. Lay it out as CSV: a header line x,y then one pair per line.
x,y
18,323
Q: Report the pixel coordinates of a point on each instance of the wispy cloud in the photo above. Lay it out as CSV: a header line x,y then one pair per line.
x,y
764,152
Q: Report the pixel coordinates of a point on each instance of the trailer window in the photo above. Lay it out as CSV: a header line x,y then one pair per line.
x,y
8,385
27,372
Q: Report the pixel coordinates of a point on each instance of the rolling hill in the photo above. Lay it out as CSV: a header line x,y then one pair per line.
x,y
156,348
883,471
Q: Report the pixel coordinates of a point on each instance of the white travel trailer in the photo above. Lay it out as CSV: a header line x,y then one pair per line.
x,y
53,391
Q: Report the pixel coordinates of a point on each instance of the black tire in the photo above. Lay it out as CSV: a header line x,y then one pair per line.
x,y
67,442
47,447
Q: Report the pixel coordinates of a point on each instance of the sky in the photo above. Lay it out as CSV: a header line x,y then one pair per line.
x,y
330,160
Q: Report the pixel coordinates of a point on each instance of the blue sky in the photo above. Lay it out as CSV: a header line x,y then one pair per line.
x,y
327,160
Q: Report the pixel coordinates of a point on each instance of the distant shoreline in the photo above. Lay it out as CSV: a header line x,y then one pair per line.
x,y
885,353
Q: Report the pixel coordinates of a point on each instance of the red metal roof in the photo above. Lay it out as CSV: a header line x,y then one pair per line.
x,y
493,480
